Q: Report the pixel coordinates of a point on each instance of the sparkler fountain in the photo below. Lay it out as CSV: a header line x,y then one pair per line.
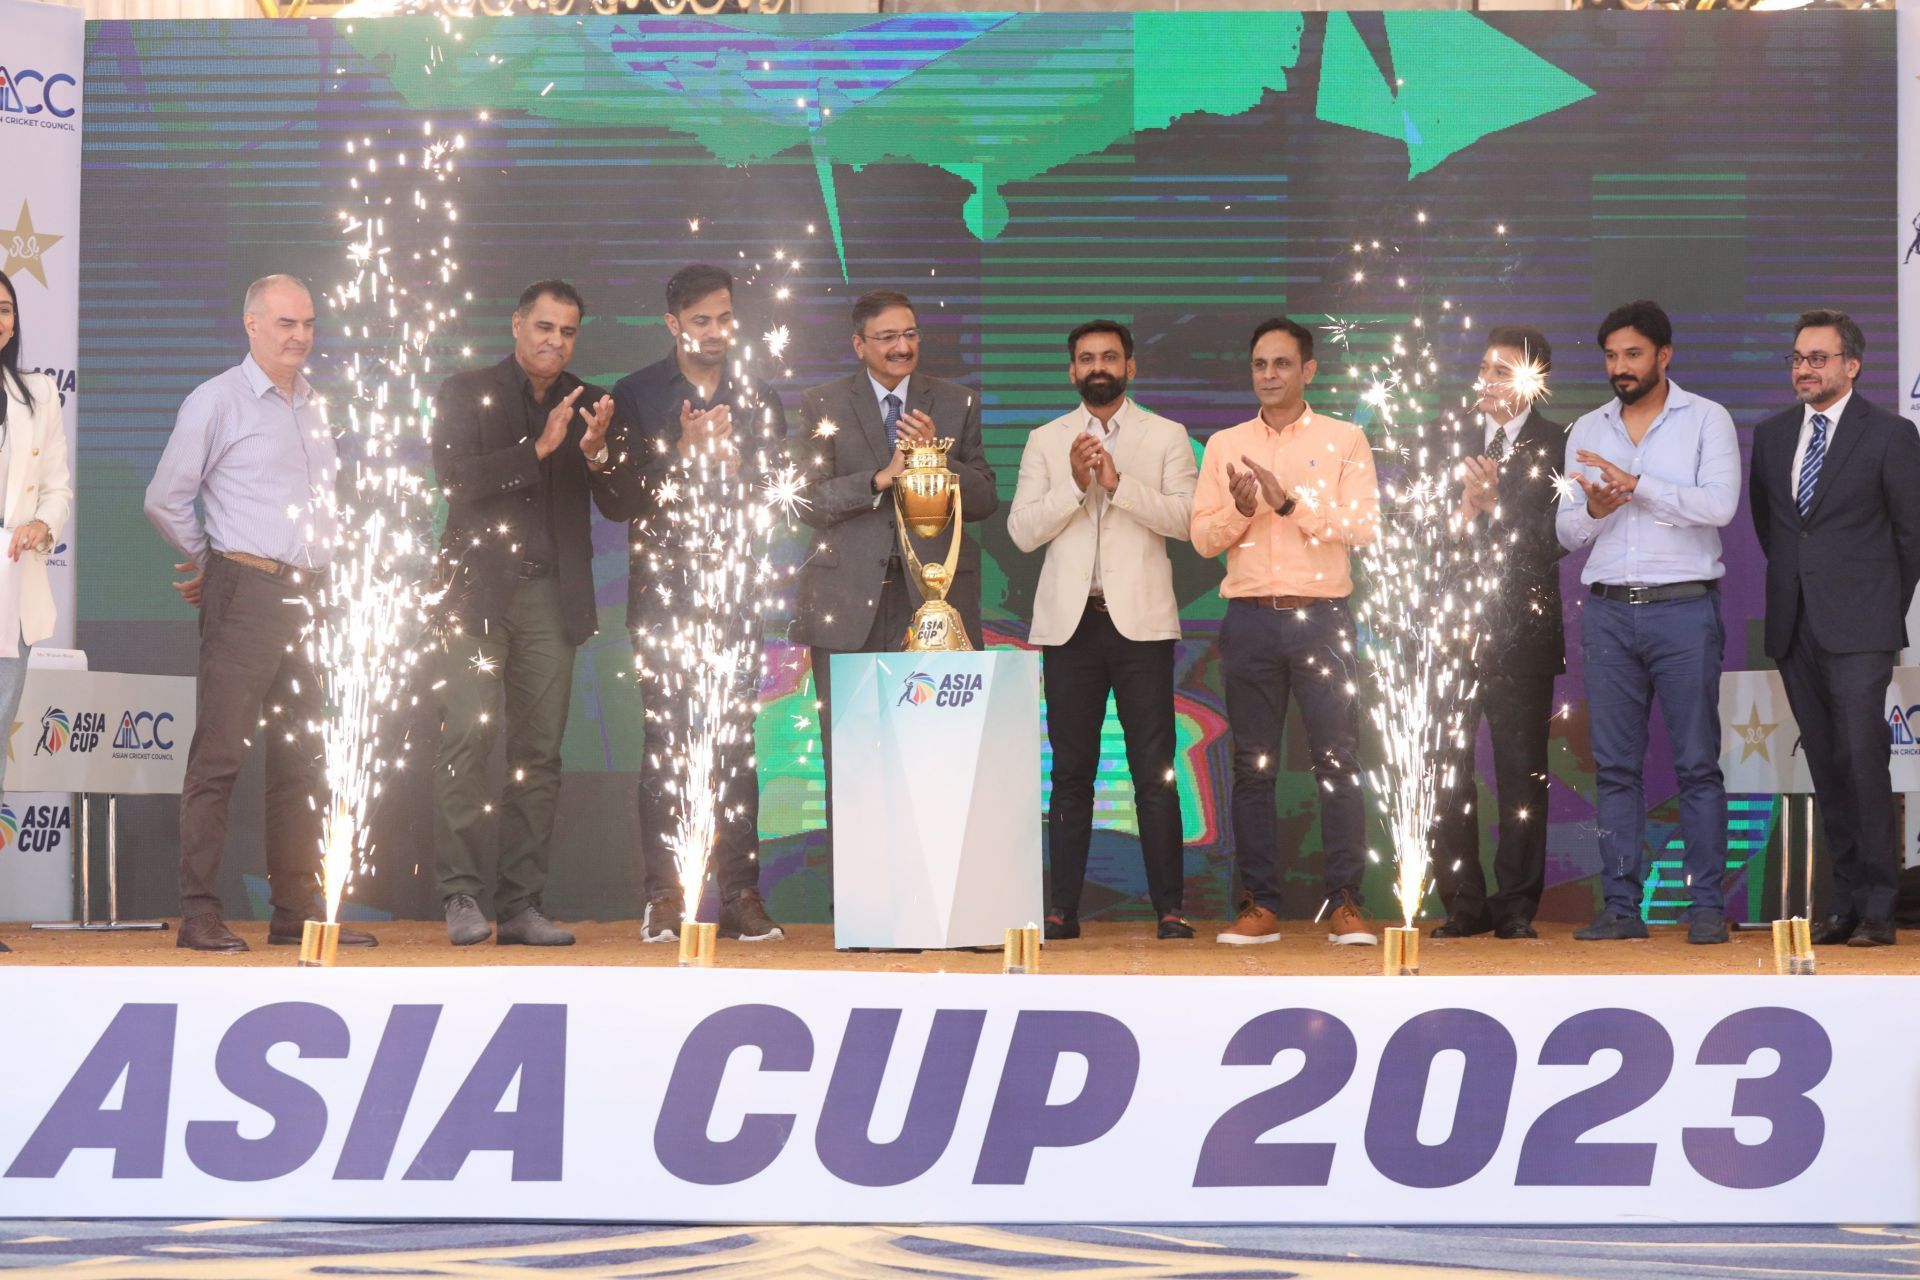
x,y
393,308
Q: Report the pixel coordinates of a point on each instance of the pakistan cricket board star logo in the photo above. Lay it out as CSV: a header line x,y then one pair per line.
x,y
1754,735
26,246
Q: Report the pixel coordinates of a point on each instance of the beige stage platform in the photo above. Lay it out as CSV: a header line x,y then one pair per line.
x,y
1105,949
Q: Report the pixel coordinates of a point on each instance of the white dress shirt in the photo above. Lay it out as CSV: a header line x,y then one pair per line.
x,y
1832,412
1095,492
1512,429
880,395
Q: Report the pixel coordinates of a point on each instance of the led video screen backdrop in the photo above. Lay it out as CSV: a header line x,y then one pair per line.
x,y
1378,176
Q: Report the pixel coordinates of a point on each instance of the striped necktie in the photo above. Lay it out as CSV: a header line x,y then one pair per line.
x,y
892,422
1810,464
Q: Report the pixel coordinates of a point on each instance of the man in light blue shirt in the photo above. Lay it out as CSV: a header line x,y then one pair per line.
x,y
1657,472
253,447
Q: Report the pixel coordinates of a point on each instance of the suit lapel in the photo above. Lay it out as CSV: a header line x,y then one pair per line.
x,y
1846,434
866,412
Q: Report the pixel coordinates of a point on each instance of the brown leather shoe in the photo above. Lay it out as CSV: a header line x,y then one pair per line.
x,y
208,932
1255,925
285,930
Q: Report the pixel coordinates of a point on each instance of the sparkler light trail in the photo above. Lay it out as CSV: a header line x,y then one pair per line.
x,y
1422,612
713,573
393,306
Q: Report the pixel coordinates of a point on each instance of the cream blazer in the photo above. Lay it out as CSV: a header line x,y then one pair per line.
x,y
38,487
1152,503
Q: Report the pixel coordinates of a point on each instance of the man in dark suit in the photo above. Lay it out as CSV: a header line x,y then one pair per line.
x,y
1508,503
699,424
517,448
854,595
1835,492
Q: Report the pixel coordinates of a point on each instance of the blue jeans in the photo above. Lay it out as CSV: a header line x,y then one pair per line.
x,y
1635,653
13,682
1269,655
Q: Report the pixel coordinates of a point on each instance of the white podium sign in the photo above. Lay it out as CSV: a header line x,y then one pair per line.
x,y
1760,751
936,798
101,733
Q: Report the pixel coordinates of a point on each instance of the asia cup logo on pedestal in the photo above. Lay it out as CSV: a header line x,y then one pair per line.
x,y
916,689
9,826
37,828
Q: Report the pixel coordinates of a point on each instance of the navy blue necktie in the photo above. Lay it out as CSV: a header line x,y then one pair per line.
x,y
1810,464
892,422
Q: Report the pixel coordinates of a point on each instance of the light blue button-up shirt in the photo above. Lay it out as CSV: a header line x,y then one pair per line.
x,y
259,461
1688,464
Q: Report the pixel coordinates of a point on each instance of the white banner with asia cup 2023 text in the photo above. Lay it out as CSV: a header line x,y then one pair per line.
x,y
756,1096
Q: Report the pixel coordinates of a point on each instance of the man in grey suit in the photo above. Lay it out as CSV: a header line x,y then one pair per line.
x,y
854,595
1835,493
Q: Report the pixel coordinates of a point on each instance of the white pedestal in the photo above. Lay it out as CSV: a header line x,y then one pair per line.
x,y
936,798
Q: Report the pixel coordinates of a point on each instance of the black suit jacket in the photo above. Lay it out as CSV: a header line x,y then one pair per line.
x,y
1853,561
839,588
1525,633
484,459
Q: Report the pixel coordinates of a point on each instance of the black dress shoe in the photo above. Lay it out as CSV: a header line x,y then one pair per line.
x,y
1515,927
1461,927
1872,933
208,932
284,931
1173,927
4,948
1061,928
1834,931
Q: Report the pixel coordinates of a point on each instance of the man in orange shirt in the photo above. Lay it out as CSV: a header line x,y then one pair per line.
x,y
1285,495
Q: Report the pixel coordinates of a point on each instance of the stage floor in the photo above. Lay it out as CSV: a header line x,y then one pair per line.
x,y
1105,949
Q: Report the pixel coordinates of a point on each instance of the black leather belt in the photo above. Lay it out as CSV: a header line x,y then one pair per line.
x,y
1652,595
1286,602
536,569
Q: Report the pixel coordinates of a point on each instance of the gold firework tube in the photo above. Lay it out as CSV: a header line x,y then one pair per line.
x,y
1401,956
697,944
319,944
1021,951
1803,944
1785,958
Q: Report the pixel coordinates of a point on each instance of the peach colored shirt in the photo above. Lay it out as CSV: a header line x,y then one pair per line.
x,y
1324,464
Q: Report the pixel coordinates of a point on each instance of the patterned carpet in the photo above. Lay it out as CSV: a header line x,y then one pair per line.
x,y
161,1249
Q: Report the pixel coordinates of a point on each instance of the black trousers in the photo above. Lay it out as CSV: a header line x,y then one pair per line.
x,y
1840,701
1078,675
734,863
1518,709
888,635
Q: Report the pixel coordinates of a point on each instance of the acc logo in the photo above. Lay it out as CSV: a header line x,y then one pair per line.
x,y
142,731
916,689
29,92
1901,725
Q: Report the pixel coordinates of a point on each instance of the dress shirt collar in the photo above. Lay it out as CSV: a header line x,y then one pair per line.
x,y
1305,418
1512,426
1676,399
517,378
880,394
1111,427
260,384
1832,413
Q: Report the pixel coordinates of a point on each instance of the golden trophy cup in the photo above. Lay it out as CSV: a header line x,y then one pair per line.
x,y
926,498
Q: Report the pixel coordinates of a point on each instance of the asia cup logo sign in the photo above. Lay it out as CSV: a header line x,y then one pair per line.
x,y
916,689
9,826
55,729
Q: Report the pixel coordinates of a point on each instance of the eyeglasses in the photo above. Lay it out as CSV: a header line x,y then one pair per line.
x,y
1813,359
892,335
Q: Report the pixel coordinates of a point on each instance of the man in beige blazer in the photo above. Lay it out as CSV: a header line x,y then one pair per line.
x,y
1102,488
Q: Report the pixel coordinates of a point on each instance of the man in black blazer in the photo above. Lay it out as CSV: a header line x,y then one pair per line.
x,y
1835,493
517,449
1508,501
853,594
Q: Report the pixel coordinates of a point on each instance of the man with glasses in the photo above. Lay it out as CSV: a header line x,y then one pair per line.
x,y
1658,476
853,594
1835,492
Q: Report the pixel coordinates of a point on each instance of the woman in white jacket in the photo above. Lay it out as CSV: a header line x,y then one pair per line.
x,y
36,495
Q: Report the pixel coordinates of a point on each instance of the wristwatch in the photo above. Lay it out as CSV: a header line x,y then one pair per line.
x,y
1286,508
600,459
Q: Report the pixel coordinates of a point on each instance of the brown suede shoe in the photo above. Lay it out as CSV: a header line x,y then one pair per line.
x,y
208,932
1347,927
285,930
1255,925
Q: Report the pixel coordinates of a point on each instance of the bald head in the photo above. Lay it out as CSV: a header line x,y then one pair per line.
x,y
278,316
